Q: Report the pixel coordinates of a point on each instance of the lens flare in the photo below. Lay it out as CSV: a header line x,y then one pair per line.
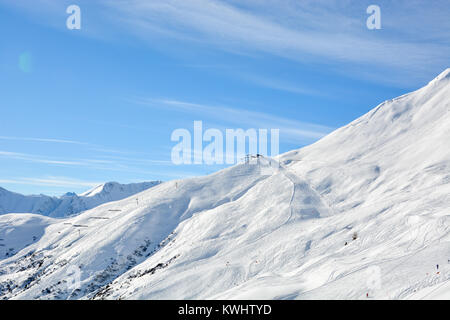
x,y
25,62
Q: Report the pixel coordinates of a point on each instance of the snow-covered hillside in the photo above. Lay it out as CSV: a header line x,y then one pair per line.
x,y
363,213
69,203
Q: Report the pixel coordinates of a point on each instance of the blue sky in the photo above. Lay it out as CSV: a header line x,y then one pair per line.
x,y
81,107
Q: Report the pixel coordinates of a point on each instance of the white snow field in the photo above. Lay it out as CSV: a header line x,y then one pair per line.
x,y
70,203
239,234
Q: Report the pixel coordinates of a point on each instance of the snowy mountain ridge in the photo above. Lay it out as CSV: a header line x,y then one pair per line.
x,y
70,203
361,214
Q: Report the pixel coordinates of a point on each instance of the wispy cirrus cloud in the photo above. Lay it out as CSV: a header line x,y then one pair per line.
x,y
39,159
108,163
413,43
90,146
322,31
50,182
63,141
280,85
291,130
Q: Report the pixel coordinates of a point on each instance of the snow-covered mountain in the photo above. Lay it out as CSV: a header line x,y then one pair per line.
x,y
363,213
70,203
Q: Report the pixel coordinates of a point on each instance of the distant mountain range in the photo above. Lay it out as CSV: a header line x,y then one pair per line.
x,y
70,203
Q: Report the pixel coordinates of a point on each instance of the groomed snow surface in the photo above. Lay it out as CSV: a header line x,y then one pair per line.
x,y
361,214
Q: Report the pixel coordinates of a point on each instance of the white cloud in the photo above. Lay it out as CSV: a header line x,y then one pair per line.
x,y
412,46
281,85
39,159
50,182
109,163
301,30
290,130
42,140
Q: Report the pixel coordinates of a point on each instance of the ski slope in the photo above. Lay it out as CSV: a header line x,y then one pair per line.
x,y
250,233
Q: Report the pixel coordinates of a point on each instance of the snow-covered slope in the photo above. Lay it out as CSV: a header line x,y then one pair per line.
x,y
69,203
361,213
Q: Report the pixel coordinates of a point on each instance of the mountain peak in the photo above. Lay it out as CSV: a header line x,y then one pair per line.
x,y
69,194
115,187
99,189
